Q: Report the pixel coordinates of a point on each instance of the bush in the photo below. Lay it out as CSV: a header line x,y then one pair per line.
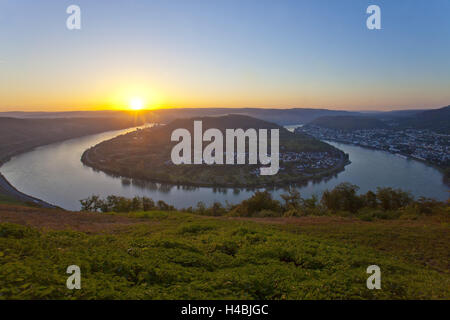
x,y
427,206
390,199
342,198
261,200
292,200
292,213
369,214
268,214
216,210
114,203
8,230
195,229
228,247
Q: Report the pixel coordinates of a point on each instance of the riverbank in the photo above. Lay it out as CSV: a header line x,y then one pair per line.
x,y
343,161
19,136
7,189
146,155
56,174
444,171
11,194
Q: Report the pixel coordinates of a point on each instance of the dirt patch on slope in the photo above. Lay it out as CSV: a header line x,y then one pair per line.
x,y
55,219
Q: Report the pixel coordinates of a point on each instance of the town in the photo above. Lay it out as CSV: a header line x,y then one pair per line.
x,y
300,162
424,145
305,161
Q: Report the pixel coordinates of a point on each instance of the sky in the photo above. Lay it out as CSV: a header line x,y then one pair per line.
x,y
224,53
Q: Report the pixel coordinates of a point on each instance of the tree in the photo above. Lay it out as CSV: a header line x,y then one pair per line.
x,y
216,209
164,206
148,204
261,200
311,203
136,204
292,199
390,199
370,200
201,208
342,198
91,203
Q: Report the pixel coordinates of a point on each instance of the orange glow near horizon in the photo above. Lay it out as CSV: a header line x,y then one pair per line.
x,y
136,104
278,56
143,94
133,98
111,90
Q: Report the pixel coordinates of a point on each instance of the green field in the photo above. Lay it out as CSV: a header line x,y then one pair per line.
x,y
173,255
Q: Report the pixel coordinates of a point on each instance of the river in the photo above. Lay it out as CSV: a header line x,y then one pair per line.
x,y
54,173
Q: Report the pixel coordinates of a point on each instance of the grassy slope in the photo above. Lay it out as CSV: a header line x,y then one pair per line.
x,y
161,255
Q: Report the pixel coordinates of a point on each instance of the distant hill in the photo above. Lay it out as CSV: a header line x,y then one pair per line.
x,y
437,120
349,123
434,119
303,143
396,114
279,116
64,114
222,123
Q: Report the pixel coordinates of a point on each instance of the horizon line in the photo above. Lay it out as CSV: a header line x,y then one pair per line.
x,y
388,109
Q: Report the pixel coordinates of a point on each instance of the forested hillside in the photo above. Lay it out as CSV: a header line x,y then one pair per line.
x,y
20,135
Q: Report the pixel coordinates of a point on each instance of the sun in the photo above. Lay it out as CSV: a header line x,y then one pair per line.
x,y
136,104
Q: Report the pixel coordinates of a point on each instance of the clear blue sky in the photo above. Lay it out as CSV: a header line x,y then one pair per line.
x,y
224,53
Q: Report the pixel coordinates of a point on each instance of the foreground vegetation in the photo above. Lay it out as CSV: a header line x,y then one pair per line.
x,y
161,253
173,255
343,200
